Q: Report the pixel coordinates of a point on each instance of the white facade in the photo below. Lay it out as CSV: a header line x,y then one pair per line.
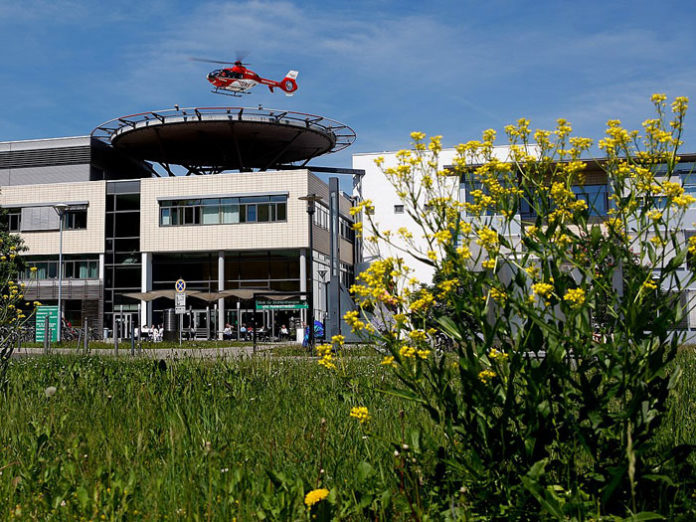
x,y
390,214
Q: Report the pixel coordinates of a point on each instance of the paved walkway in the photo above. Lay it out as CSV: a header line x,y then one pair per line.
x,y
157,353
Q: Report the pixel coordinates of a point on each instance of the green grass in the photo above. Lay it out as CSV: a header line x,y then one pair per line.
x,y
214,440
147,345
193,439
349,350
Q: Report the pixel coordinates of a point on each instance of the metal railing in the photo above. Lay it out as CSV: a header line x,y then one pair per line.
x,y
343,135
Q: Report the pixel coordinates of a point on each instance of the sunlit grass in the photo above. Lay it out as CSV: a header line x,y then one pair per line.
x,y
189,438
132,439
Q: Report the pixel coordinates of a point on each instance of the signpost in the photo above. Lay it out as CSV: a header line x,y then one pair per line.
x,y
44,313
180,303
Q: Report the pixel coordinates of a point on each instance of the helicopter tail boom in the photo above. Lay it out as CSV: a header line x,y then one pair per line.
x,y
288,84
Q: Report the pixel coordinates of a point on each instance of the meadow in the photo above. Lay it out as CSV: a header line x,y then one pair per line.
x,y
194,439
95,438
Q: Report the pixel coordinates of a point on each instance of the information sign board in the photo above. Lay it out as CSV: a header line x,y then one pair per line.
x,y
180,303
290,304
46,313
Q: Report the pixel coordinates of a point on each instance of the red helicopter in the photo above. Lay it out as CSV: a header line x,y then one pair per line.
x,y
238,80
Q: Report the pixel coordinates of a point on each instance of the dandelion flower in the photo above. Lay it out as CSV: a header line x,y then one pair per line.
x,y
316,495
360,413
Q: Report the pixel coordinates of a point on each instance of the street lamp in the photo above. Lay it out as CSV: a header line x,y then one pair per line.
x,y
61,209
311,200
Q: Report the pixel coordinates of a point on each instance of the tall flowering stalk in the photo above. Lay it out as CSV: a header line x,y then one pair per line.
x,y
13,306
565,323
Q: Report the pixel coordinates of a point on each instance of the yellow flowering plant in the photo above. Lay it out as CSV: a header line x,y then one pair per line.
x,y
561,285
15,311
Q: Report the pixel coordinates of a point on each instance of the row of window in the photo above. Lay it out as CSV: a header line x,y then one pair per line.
x,y
322,219
72,220
596,197
72,269
221,211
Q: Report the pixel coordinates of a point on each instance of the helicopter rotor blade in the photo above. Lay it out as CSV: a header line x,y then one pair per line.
x,y
210,61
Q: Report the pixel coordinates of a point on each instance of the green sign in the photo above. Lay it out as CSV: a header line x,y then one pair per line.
x,y
44,313
291,304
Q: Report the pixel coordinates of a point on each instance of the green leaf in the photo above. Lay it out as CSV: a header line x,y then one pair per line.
x,y
645,515
450,327
365,471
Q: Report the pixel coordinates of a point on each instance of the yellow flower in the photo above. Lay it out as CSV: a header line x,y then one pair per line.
x,y
388,361
417,335
655,215
338,339
360,413
423,354
542,289
407,351
575,297
498,295
316,495
33,269
488,264
464,252
486,375
658,97
649,285
495,354
488,238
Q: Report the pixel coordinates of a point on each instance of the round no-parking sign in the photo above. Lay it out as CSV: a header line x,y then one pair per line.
x,y
180,286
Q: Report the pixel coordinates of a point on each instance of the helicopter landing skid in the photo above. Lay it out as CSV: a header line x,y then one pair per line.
x,y
224,93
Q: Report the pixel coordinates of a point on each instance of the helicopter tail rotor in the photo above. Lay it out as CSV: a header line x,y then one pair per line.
x,y
288,84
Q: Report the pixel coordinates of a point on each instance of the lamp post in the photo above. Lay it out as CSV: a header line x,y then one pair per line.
x,y
61,209
311,200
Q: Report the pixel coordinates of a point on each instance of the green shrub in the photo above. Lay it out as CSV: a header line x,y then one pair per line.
x,y
566,328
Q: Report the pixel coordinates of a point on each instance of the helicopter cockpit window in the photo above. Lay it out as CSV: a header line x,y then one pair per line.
x,y
236,75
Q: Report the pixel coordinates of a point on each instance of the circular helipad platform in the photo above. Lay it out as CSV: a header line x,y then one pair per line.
x,y
225,138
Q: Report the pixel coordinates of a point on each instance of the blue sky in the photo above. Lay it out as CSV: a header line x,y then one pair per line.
x,y
385,68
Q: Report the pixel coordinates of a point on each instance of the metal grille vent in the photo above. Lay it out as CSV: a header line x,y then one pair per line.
x,y
45,157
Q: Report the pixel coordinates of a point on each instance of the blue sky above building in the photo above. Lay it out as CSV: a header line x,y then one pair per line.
x,y
385,68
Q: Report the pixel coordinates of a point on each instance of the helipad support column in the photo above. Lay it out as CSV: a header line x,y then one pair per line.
x,y
303,278
145,286
221,287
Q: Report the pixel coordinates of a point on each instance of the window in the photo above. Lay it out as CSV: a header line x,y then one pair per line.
x,y
398,209
321,216
72,269
346,229
13,219
217,211
688,179
596,197
75,219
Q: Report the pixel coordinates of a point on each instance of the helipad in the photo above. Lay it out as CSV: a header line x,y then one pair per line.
x,y
213,139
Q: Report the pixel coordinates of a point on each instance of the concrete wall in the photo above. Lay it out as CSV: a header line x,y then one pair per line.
x,y
240,236
87,241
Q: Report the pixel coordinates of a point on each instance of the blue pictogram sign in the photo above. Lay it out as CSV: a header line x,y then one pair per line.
x,y
180,286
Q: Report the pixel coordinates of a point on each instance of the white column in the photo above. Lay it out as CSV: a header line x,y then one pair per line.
x,y
303,278
221,287
145,286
